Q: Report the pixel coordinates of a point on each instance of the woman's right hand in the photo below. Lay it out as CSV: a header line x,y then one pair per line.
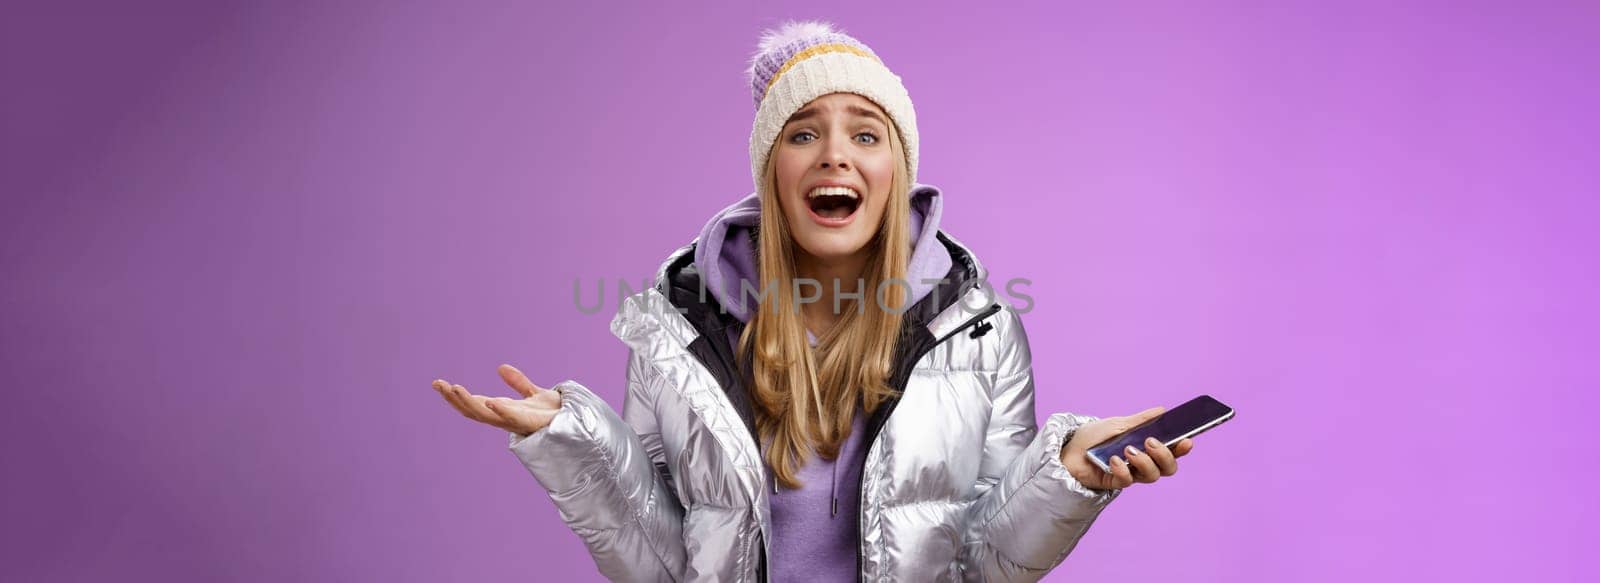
x,y
532,413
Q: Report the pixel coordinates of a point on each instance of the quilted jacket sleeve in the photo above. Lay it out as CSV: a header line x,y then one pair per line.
x,y
1031,511
604,475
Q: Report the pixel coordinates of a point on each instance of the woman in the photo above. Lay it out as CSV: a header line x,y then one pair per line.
x,y
820,387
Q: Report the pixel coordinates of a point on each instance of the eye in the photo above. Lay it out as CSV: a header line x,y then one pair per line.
x,y
796,138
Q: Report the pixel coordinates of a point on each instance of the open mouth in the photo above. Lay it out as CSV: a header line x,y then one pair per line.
x,y
833,203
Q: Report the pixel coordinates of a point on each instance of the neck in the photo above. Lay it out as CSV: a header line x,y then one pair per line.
x,y
832,273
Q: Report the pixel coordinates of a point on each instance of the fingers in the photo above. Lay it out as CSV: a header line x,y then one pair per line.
x,y
469,405
1121,476
475,403
1183,447
1165,461
517,380
447,391
1144,468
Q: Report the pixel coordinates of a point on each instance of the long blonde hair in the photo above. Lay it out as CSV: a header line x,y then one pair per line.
x,y
805,398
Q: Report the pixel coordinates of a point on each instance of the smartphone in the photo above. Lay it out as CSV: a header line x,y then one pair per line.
x,y
1173,425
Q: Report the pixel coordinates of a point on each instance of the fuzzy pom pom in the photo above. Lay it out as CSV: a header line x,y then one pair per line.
x,y
792,31
776,44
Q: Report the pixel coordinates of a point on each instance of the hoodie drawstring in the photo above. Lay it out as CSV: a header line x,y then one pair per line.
x,y
834,492
833,488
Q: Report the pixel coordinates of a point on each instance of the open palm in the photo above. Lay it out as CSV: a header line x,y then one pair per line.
x,y
523,416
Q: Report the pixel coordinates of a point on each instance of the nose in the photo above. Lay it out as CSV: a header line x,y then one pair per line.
x,y
836,155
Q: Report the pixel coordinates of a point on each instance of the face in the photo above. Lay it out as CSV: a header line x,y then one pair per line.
x,y
834,171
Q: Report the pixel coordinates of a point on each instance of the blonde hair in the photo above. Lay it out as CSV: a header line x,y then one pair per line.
x,y
806,397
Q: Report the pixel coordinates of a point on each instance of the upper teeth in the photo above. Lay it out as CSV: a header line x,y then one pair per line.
x,y
833,190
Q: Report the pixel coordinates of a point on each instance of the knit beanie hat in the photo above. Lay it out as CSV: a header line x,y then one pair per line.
x,y
801,61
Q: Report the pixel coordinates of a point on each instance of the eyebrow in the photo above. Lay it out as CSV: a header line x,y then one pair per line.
x,y
811,112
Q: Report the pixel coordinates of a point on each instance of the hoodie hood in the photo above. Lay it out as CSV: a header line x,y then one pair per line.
x,y
725,251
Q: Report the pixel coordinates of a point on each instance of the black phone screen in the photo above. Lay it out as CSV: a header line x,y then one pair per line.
x,y
1169,427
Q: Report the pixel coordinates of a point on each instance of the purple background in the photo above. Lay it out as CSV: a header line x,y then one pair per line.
x,y
241,240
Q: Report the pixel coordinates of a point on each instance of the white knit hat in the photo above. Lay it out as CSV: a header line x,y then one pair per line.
x,y
801,61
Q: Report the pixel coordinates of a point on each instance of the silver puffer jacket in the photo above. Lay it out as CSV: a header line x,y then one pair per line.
x,y
958,482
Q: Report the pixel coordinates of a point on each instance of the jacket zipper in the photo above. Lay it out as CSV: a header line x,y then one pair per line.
x,y
983,327
872,445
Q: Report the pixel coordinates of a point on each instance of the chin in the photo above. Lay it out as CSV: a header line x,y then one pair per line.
x,y
826,246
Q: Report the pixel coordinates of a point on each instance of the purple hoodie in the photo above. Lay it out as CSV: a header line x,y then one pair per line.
x,y
810,541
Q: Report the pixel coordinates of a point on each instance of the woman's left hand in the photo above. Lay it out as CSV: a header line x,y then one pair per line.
x,y
1134,465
